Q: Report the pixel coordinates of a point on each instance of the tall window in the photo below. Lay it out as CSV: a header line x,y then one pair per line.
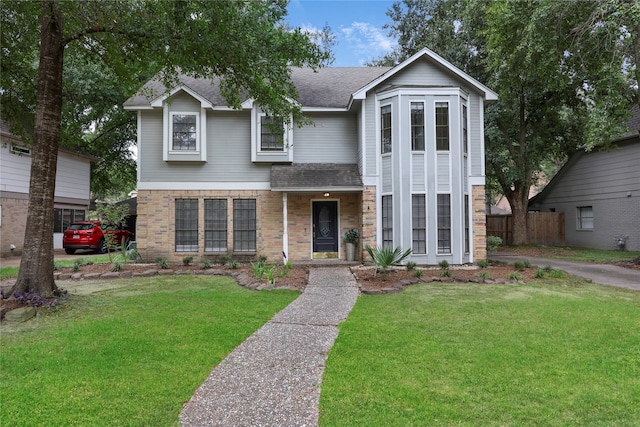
x,y
465,131
186,225
271,134
466,224
417,126
442,126
585,218
387,221
444,223
244,225
385,128
215,225
184,132
419,223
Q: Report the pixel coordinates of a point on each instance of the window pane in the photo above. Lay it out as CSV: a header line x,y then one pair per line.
x,y
419,223
385,128
417,126
444,223
271,134
186,225
465,132
442,126
244,225
387,221
184,132
215,225
466,224
585,218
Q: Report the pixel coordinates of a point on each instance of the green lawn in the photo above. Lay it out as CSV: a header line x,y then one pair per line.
x,y
554,353
574,254
11,272
126,357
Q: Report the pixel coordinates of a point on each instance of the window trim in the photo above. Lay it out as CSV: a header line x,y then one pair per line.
x,y
382,129
436,125
197,155
172,115
266,156
413,126
580,226
285,142
20,150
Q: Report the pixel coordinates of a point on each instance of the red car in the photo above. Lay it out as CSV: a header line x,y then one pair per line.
x,y
91,235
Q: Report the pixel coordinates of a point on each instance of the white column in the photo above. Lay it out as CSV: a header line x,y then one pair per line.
x,y
285,227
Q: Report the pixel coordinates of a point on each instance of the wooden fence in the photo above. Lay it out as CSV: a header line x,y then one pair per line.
x,y
544,228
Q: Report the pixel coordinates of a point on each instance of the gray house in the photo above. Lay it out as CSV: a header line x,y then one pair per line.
x,y
599,192
396,153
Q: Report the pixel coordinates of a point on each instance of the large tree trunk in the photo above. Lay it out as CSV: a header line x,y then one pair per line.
x,y
36,265
519,201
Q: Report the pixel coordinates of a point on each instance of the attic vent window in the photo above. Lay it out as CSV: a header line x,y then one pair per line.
x,y
20,151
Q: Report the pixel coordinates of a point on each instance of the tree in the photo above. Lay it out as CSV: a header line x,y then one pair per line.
x,y
241,42
559,88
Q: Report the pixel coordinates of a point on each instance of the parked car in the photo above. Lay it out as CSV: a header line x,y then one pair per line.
x,y
91,235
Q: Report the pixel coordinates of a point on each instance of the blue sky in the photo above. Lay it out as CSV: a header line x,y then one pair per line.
x,y
357,25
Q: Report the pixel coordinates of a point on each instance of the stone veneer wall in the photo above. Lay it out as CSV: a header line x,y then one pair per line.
x,y
14,223
155,231
479,223
369,221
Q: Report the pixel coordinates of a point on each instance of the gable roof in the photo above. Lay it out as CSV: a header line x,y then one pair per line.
x,y
330,87
631,137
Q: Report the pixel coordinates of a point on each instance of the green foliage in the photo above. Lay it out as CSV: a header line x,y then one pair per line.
x,y
351,236
446,272
259,269
223,259
558,274
539,273
418,273
493,242
262,258
162,263
115,266
234,264
521,265
75,267
547,269
272,273
187,260
484,274
515,276
384,257
444,264
410,265
483,263
205,264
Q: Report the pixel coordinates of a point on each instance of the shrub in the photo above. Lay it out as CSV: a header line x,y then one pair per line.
x,y
558,274
493,242
418,273
286,269
521,265
484,274
271,274
515,276
162,263
115,266
205,264
446,273
75,266
483,263
351,236
234,264
259,269
385,257
539,274
547,269
223,259
444,264
187,260
411,265
262,258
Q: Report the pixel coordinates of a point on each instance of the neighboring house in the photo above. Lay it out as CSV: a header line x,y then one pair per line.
x,y
397,153
71,196
599,192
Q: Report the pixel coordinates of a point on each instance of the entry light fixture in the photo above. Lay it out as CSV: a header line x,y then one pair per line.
x,y
327,194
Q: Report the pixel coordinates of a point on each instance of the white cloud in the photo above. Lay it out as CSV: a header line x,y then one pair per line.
x,y
366,41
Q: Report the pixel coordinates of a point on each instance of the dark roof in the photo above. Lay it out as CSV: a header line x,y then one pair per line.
x,y
316,177
325,87
633,123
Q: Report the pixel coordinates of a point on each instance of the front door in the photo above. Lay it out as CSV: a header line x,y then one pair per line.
x,y
325,229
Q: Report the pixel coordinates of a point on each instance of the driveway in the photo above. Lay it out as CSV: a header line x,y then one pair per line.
x,y
605,274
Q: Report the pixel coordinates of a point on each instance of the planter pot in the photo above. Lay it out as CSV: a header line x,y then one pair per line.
x,y
351,251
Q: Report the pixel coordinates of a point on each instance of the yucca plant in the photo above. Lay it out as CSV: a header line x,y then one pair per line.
x,y
384,257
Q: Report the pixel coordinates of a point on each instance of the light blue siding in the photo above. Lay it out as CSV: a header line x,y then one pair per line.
x,y
332,138
444,185
418,184
387,174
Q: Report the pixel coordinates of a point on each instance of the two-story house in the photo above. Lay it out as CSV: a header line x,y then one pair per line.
x,y
72,194
396,153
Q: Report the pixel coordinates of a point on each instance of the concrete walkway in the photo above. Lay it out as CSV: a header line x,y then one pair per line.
x,y
274,377
605,274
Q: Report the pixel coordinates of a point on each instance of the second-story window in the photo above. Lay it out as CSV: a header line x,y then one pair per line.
x,y
442,126
465,131
385,128
271,134
417,126
184,132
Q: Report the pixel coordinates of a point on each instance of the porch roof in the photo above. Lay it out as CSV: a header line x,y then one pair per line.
x,y
300,177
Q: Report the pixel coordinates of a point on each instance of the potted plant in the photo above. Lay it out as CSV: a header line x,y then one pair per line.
x,y
351,238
